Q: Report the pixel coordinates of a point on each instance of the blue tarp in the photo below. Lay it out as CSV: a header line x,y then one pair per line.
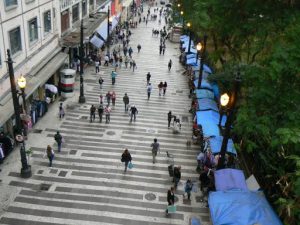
x,y
210,116
230,179
190,60
182,37
216,90
207,104
241,208
216,143
210,129
102,30
204,84
191,56
204,93
192,49
206,68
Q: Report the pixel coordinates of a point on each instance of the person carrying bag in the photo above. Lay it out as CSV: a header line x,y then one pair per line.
x,y
126,157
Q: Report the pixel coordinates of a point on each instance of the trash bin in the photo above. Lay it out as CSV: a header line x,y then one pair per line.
x,y
171,170
67,80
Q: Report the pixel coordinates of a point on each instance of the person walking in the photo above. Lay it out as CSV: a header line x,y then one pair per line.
x,y
170,65
100,98
170,198
169,118
188,188
120,61
100,111
133,113
113,77
113,98
160,88
149,89
126,102
148,76
108,97
107,111
126,61
126,157
61,111
177,175
155,148
101,82
50,154
106,60
160,49
92,113
133,65
163,49
165,85
130,51
58,138
139,48
97,64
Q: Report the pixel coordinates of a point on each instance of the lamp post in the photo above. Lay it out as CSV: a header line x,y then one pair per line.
x,y
22,85
108,24
181,13
224,100
81,97
190,38
202,56
231,108
26,169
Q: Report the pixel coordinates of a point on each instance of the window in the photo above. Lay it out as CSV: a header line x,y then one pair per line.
x,y
9,3
83,7
33,30
75,13
15,40
47,21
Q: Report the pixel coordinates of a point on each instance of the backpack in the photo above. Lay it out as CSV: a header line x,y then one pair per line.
x,y
100,109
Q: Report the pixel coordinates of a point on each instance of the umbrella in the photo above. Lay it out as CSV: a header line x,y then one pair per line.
x,y
51,88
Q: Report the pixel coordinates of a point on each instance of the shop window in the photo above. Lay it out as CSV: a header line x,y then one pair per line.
x,y
15,40
10,3
75,13
47,21
33,30
84,9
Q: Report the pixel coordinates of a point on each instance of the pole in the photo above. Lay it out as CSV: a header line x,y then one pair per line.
x,y
190,41
26,169
202,56
107,41
221,162
24,100
81,97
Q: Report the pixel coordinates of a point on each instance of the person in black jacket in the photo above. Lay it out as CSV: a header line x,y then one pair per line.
x,y
170,197
126,157
169,118
177,175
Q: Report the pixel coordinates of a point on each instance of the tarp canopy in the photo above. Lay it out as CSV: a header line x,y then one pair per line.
x,y
114,23
182,37
190,60
207,104
192,49
241,208
210,129
186,43
206,68
216,143
210,116
204,93
204,84
191,56
216,90
96,41
230,179
102,30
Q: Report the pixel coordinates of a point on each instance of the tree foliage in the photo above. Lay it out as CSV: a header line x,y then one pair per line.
x,y
262,38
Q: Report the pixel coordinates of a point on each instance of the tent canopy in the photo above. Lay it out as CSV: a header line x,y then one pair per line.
x,y
102,30
210,116
206,68
204,93
241,208
96,41
230,179
216,143
207,104
204,84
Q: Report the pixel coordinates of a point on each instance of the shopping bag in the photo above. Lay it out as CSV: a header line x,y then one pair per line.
x,y
171,208
130,165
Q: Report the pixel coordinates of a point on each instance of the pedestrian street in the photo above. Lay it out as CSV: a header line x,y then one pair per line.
x,y
86,184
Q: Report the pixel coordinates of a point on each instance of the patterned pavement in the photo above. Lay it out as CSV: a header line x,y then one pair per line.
x,y
86,184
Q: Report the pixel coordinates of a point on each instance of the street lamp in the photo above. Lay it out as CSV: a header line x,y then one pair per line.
x,y
231,107
178,5
198,47
81,97
190,38
26,169
181,13
224,100
202,55
22,85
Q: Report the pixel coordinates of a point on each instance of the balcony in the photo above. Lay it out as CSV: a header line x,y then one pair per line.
x,y
65,4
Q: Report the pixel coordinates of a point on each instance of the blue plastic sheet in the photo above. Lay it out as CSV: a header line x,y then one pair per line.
x,y
191,56
192,49
204,84
216,143
204,93
206,68
191,60
210,129
216,90
241,208
211,117
230,179
207,104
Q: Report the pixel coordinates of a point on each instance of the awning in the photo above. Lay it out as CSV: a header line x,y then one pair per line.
x,y
230,179
204,93
102,29
204,84
211,117
114,23
38,79
207,104
96,41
